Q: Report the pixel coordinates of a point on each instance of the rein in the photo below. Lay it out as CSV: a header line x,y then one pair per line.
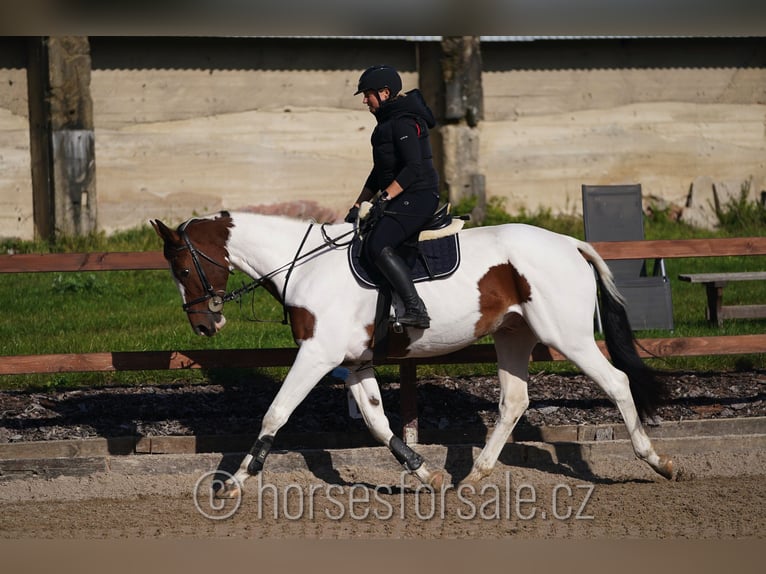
x,y
216,299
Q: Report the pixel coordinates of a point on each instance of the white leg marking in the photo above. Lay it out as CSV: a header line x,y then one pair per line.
x,y
513,350
617,387
366,392
309,367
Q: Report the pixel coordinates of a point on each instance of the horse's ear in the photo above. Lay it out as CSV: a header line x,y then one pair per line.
x,y
164,231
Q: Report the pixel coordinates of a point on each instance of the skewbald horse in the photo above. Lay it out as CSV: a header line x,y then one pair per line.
x,y
519,283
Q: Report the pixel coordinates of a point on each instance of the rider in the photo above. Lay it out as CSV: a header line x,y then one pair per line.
x,y
404,172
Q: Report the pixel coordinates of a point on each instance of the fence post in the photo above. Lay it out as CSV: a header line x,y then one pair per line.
x,y
62,141
408,398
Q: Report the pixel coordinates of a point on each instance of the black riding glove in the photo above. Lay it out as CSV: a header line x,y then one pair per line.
x,y
378,208
376,212
352,215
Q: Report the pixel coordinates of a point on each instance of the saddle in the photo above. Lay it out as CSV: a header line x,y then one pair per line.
x,y
434,254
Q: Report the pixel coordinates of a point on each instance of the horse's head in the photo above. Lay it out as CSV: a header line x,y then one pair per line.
x,y
198,259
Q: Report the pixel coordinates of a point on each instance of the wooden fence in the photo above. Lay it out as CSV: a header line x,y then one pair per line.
x,y
208,359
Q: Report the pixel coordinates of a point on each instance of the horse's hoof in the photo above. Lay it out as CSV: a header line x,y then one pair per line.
x,y
437,480
666,467
229,491
473,478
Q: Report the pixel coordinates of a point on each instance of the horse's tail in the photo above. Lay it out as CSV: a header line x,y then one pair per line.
x,y
648,391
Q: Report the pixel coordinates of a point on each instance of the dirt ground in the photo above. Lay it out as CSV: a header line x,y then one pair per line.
x,y
720,495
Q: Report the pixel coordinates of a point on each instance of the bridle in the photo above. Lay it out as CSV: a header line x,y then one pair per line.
x,y
217,298
214,298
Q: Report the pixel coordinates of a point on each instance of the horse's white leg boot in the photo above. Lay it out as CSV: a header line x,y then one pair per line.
x,y
366,392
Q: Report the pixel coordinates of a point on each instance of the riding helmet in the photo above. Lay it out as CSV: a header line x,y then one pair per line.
x,y
379,77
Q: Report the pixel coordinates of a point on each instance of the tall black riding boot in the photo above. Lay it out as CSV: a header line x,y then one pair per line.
x,y
395,271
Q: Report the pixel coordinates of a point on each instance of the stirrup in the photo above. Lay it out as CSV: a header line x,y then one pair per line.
x,y
417,320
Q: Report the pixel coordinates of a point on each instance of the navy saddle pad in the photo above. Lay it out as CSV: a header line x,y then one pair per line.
x,y
431,259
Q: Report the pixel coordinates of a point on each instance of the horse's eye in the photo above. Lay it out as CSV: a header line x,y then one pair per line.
x,y
184,273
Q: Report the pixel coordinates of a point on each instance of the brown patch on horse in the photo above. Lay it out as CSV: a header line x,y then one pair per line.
x,y
499,288
302,323
398,343
208,236
207,232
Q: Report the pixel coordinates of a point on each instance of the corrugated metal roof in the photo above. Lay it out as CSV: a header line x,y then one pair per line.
x,y
501,38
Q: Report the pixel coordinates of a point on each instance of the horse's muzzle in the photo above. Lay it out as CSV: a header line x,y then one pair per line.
x,y
208,329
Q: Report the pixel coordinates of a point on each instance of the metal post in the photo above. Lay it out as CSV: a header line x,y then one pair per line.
x,y
409,401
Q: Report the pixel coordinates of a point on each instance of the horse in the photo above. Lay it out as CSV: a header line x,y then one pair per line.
x,y
519,283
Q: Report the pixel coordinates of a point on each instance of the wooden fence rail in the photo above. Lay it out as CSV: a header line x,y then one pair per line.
x,y
143,260
284,357
209,359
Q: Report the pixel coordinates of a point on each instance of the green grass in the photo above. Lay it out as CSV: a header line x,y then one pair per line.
x,y
141,310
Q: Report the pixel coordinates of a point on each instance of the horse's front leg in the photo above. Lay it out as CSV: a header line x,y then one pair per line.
x,y
310,365
366,392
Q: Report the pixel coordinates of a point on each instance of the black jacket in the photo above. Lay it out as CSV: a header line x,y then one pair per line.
x,y
401,148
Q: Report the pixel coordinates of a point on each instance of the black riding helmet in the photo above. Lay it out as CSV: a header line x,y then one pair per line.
x,y
379,77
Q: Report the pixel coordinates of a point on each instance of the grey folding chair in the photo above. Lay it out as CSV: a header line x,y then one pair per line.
x,y
615,213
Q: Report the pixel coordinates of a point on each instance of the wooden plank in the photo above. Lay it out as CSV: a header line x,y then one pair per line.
x,y
701,346
284,357
147,260
742,312
673,248
723,277
22,456
173,445
110,261
146,361
89,447
52,467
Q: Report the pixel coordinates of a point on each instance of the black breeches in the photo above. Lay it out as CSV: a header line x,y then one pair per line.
x,y
410,211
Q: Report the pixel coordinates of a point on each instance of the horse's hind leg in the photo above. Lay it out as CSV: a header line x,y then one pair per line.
x,y
617,387
513,347
366,392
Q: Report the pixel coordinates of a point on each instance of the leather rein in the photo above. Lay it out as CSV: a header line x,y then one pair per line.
x,y
217,298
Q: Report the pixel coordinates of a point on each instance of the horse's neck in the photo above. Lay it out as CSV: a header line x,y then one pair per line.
x,y
260,244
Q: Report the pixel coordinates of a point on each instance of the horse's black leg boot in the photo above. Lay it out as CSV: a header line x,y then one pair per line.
x,y
404,454
397,274
259,451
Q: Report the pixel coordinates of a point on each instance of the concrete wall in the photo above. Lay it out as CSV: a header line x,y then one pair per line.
x,y
15,169
657,112
194,125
